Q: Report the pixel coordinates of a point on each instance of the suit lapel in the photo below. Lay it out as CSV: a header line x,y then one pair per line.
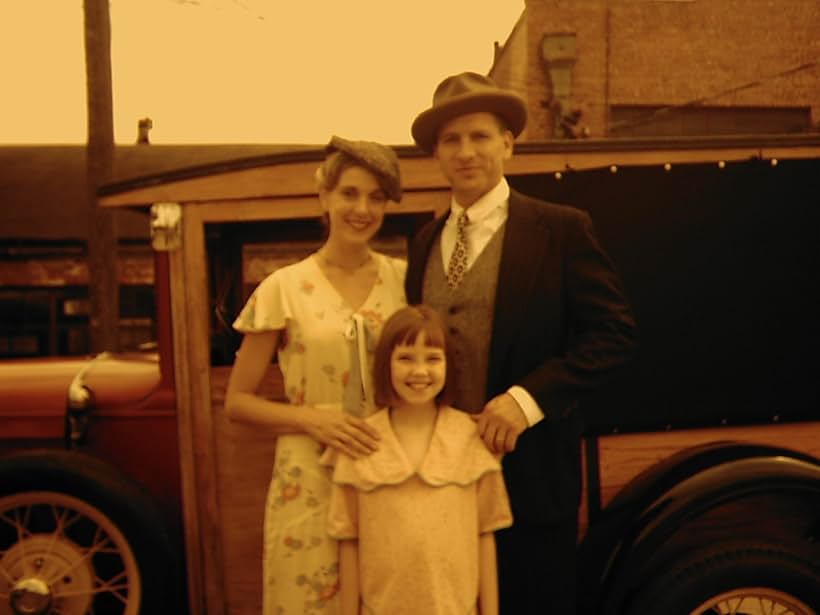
x,y
418,259
525,240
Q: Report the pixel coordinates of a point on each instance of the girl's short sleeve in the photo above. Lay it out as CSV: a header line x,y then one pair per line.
x,y
493,504
343,512
267,308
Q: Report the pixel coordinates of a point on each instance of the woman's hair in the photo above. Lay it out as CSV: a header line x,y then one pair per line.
x,y
404,327
337,162
329,172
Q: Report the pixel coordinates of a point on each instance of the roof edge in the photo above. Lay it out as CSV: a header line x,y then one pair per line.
x,y
623,144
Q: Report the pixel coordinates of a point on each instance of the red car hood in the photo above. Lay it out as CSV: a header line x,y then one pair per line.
x,y
40,386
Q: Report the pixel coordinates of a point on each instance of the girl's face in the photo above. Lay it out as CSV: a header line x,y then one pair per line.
x,y
418,371
355,207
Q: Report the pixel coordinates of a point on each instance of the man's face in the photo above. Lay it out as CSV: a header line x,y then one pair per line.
x,y
471,150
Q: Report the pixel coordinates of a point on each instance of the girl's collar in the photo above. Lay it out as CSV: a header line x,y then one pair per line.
x,y
456,455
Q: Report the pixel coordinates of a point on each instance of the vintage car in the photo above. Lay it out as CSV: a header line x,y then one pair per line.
x,y
124,489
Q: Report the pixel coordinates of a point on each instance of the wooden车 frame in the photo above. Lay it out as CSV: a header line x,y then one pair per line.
x,y
281,187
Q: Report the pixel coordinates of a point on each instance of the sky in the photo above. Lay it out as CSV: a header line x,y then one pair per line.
x,y
243,71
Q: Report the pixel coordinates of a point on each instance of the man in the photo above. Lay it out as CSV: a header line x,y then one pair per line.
x,y
537,316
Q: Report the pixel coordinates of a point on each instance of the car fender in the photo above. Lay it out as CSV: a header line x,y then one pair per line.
x,y
652,506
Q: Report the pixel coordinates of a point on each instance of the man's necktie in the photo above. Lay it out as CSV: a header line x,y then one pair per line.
x,y
458,260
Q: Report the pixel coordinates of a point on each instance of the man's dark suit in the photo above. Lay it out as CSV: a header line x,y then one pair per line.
x,y
561,325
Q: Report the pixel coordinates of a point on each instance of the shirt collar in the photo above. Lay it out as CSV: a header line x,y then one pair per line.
x,y
484,206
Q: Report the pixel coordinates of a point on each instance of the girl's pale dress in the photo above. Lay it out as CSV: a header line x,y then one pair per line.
x,y
322,336
418,530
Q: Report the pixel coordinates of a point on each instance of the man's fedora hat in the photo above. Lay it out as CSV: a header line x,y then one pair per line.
x,y
468,93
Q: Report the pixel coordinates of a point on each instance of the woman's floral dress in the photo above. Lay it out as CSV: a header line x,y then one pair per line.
x,y
300,562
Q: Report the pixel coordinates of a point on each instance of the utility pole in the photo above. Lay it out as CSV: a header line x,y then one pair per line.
x,y
103,286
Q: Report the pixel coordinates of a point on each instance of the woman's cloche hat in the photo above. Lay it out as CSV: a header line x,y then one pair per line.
x,y
376,158
468,93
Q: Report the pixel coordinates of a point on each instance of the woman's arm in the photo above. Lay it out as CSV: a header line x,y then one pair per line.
x,y
334,428
349,577
487,575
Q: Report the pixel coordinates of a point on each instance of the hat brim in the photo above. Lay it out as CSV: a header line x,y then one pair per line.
x,y
510,107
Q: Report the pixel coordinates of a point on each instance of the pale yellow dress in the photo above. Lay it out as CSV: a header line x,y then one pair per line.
x,y
418,530
323,335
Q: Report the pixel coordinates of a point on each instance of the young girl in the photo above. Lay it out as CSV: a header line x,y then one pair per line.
x,y
415,519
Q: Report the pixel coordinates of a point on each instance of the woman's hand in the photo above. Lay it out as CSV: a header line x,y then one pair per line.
x,y
345,432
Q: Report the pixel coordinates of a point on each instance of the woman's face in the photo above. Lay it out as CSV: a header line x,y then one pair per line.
x,y
355,207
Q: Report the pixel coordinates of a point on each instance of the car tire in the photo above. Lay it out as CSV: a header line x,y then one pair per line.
x,y
77,537
737,577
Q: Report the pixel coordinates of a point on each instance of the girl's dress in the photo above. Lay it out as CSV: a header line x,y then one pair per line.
x,y
324,340
418,531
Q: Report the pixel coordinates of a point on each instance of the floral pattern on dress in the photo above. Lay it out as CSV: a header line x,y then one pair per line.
x,y
322,585
296,392
300,562
329,370
286,486
374,319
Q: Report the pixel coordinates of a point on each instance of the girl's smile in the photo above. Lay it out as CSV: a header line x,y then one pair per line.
x,y
418,371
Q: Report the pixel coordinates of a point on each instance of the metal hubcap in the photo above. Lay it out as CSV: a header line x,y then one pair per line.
x,y
41,567
30,597
62,555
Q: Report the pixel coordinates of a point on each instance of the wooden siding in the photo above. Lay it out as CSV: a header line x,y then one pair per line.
x,y
288,184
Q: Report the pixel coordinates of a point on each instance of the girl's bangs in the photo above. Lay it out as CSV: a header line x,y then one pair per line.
x,y
433,334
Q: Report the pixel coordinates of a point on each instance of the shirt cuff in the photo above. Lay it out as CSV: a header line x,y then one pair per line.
x,y
531,410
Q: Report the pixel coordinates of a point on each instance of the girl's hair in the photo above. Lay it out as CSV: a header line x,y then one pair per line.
x,y
403,327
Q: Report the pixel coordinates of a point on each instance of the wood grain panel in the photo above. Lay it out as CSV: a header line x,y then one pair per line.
x,y
286,208
286,179
245,460
201,512
622,457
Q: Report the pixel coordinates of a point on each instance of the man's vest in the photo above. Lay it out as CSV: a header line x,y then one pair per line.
x,y
467,312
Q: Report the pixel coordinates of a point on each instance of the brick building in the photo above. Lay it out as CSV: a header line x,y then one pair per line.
x,y
588,68
620,68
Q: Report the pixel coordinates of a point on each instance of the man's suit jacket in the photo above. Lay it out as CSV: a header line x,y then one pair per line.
x,y
561,325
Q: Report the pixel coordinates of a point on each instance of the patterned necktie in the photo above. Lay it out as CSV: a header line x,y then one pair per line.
x,y
458,260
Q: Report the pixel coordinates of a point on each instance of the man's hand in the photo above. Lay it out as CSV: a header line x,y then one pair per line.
x,y
500,423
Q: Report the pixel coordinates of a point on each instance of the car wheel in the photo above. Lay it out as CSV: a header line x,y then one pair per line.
x,y
77,538
736,579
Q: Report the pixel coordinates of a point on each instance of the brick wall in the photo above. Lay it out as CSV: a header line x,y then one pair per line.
x,y
669,52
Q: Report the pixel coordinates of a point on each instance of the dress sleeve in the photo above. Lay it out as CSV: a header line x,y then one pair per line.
x,y
343,512
400,269
267,309
493,504
393,274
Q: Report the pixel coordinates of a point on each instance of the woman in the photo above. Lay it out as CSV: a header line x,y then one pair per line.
x,y
320,315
